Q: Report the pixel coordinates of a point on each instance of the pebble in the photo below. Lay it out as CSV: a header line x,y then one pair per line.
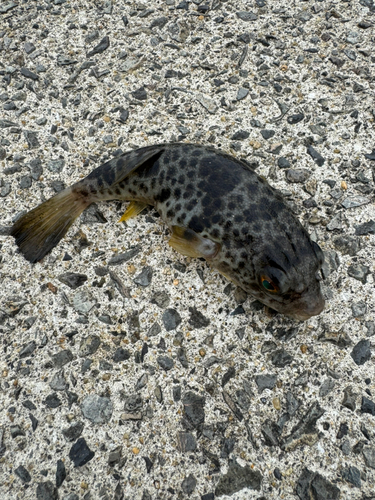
x,y
242,93
293,119
365,228
297,175
361,352
317,157
246,16
238,478
350,397
171,319
165,362
310,482
186,442
355,201
194,409
265,381
97,409
207,103
359,309
101,47
89,345
80,453
369,456
73,280
197,320
359,272
188,484
23,474
145,277
46,491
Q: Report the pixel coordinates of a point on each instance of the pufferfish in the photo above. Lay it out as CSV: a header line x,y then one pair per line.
x,y
216,207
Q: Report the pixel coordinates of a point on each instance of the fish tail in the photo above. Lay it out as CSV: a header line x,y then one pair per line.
x,y
40,230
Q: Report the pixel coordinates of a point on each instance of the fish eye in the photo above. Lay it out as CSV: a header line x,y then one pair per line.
x,y
268,284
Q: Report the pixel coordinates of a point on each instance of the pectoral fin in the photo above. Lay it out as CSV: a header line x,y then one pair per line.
x,y
191,244
134,208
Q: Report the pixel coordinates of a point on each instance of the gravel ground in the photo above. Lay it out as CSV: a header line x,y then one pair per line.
x,y
127,370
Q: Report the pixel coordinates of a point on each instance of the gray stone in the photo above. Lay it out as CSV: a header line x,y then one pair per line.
x,y
23,474
194,408
242,93
56,166
89,345
161,299
124,257
165,362
83,301
359,309
73,280
359,272
207,103
369,456
171,319
80,453
145,277
352,475
265,381
297,175
347,245
361,352
62,358
365,228
46,491
238,478
326,387
188,484
186,442
58,382
313,485
246,16
355,201
349,398
97,409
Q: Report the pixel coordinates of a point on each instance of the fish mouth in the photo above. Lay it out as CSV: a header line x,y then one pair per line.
x,y
312,308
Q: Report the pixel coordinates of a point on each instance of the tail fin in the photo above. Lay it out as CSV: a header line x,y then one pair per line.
x,y
40,230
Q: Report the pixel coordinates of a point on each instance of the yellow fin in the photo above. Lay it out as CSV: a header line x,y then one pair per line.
x,y
191,244
134,208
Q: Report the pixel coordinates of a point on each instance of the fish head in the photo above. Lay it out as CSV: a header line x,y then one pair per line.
x,y
286,277
290,284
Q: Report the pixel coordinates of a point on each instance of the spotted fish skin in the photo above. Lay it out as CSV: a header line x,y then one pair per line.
x,y
253,234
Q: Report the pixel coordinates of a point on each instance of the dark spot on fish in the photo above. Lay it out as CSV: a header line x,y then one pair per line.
x,y
205,167
175,154
178,207
122,185
236,232
241,264
182,163
170,213
208,212
216,219
108,174
216,203
190,174
252,187
196,224
177,192
164,194
153,183
238,218
244,255
215,233
110,192
231,205
118,191
206,201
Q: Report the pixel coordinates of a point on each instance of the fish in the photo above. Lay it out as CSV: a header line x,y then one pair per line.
x,y
217,208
